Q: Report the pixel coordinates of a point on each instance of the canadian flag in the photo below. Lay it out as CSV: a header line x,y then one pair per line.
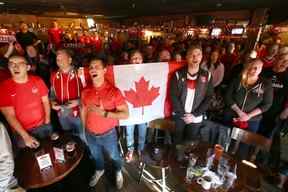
x,y
145,88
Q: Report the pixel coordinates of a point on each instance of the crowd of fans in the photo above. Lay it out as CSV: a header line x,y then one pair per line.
x,y
222,81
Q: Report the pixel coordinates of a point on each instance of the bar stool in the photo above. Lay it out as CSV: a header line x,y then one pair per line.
x,y
161,125
157,156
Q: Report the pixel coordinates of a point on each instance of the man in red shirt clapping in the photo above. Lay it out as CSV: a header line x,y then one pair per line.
x,y
24,103
102,105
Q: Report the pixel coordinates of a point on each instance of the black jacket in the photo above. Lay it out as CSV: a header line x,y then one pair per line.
x,y
247,99
280,87
203,92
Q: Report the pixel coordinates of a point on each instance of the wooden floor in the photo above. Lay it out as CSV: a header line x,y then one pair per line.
x,y
107,182
131,172
172,182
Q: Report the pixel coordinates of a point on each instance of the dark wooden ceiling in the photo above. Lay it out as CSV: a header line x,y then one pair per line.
x,y
124,8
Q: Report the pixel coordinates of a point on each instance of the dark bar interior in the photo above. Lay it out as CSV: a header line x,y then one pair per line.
x,y
139,96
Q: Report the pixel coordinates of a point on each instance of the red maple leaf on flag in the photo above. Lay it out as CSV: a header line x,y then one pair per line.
x,y
142,95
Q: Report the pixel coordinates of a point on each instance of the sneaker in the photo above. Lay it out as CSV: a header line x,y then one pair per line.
x,y
119,180
129,156
95,178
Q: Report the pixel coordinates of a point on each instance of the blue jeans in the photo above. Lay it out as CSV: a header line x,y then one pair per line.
x,y
104,143
42,131
39,132
73,125
142,129
253,125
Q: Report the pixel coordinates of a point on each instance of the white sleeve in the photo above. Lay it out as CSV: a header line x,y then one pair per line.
x,y
6,158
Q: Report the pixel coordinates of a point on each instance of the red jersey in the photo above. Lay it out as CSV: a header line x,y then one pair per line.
x,y
229,60
85,77
110,97
268,63
55,36
66,87
26,99
261,53
4,74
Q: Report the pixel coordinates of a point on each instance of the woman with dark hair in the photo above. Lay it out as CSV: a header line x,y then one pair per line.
x,y
135,58
247,97
39,65
215,67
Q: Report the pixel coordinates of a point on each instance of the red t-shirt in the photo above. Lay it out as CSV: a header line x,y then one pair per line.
x,y
229,60
26,98
268,63
55,36
110,97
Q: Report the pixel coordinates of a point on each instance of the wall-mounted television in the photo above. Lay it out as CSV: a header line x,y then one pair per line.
x,y
216,32
237,31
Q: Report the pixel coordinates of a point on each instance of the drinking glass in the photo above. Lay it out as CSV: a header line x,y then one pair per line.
x,y
70,148
223,168
192,160
218,151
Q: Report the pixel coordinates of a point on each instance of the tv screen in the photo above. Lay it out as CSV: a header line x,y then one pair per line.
x,y
216,32
237,31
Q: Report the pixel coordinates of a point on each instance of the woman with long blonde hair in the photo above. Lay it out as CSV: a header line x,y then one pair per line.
x,y
250,73
248,96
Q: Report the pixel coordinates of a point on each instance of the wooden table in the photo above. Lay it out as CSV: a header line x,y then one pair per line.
x,y
245,174
176,176
27,170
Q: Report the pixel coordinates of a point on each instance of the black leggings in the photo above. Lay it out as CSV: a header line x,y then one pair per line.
x,y
186,132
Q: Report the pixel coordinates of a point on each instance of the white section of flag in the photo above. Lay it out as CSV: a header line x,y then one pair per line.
x,y
125,77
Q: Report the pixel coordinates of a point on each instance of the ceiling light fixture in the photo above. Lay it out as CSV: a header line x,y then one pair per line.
x,y
219,4
98,15
2,3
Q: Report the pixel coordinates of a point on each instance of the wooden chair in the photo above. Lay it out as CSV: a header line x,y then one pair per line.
x,y
258,141
163,124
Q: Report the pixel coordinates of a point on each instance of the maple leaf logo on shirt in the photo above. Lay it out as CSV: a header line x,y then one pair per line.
x,y
142,95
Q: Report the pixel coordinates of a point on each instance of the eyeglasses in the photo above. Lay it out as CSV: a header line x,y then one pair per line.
x,y
13,64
